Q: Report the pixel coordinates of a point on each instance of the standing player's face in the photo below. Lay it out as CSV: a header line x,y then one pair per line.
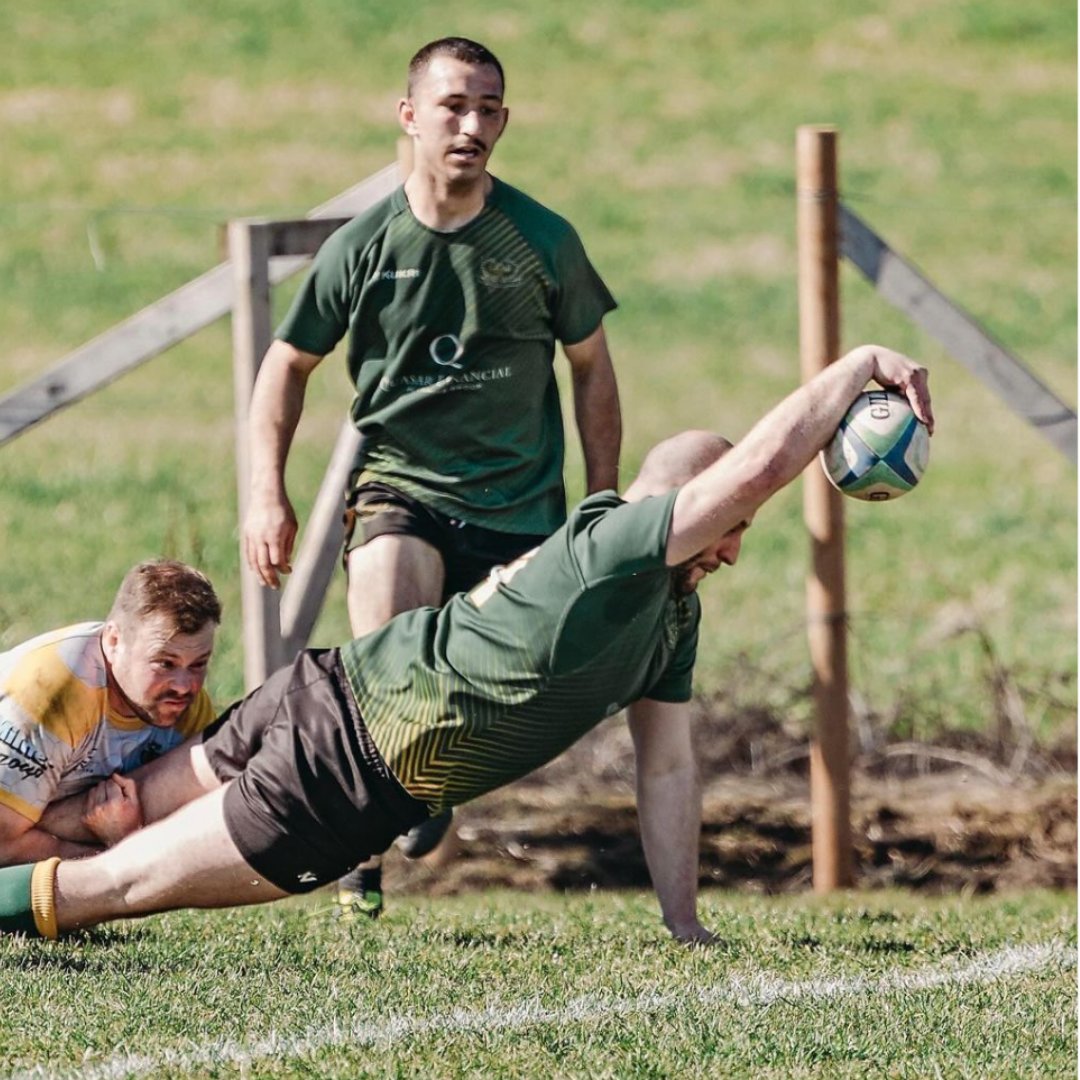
x,y
158,671
456,115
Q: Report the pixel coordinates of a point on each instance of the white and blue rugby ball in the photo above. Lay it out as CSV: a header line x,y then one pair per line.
x,y
880,450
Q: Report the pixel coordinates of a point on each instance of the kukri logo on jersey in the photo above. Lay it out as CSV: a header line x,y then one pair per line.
x,y
501,274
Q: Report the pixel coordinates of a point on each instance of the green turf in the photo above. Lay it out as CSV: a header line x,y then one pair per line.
x,y
666,135
586,985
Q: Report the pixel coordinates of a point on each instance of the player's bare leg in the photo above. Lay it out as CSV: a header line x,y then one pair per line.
x,y
186,860
173,780
387,575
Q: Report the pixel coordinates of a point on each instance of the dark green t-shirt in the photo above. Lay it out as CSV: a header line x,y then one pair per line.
x,y
465,698
451,346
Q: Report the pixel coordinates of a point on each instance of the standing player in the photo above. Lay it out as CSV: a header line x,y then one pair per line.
x,y
453,292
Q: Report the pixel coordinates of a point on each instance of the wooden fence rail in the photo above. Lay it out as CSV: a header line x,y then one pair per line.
x,y
924,304
161,325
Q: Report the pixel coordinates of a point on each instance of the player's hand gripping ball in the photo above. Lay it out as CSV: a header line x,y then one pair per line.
x,y
880,449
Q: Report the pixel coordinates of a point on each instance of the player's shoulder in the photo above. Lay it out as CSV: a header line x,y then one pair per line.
x,y
537,221
70,650
56,681
613,537
357,235
593,507
609,505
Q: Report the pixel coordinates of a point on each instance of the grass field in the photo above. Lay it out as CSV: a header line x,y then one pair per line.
x,y
583,985
131,132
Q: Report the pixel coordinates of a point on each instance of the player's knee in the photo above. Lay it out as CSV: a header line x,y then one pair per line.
x,y
376,594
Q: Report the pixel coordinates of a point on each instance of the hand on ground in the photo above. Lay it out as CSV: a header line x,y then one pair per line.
x,y
693,934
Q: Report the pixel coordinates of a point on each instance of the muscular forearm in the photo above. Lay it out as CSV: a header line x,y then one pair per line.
x,y
596,410
780,445
63,819
270,523
795,430
599,422
36,844
276,404
669,809
788,438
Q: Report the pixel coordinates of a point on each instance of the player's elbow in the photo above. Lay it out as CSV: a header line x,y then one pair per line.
x,y
13,849
755,468
295,363
765,470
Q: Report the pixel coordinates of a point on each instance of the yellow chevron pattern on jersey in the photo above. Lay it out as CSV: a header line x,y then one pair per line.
x,y
462,700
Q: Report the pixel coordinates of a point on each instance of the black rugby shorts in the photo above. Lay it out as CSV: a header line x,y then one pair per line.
x,y
312,796
468,551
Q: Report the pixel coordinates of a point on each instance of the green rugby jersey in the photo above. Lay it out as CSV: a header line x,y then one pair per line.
x,y
462,699
451,346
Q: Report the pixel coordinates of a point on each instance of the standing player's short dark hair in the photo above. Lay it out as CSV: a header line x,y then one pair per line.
x,y
164,587
457,48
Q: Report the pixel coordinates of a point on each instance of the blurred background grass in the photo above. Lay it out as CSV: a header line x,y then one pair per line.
x,y
131,133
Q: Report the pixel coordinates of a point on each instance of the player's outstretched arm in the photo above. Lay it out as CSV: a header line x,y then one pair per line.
x,y
783,443
669,811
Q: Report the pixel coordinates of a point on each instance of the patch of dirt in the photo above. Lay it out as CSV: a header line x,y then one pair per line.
x,y
960,817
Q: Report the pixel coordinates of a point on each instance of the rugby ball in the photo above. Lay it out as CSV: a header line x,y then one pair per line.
x,y
880,450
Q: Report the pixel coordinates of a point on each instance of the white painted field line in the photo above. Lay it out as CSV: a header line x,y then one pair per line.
x,y
756,990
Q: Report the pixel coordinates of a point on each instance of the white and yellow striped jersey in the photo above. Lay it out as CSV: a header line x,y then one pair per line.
x,y
58,734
